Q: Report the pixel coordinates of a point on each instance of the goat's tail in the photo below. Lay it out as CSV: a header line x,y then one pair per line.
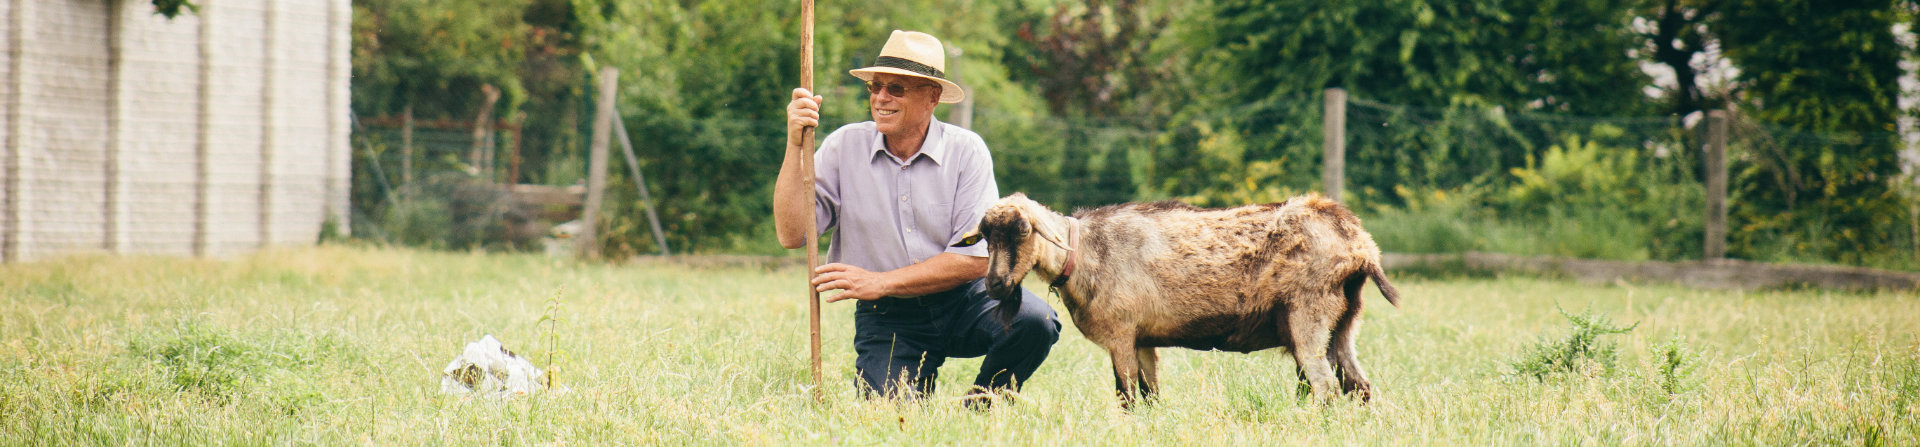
x,y
1380,279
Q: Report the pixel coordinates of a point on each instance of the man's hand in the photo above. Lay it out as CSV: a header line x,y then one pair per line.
x,y
802,112
854,282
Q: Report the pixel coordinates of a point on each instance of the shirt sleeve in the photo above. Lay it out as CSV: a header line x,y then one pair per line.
x,y
826,182
975,192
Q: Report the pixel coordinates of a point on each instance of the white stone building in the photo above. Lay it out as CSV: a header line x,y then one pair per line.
x,y
215,132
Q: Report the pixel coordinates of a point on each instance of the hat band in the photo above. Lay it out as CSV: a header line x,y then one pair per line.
x,y
908,65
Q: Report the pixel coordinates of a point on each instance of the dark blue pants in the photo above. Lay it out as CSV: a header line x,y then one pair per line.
x,y
905,340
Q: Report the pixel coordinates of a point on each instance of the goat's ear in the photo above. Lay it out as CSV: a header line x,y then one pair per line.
x,y
967,240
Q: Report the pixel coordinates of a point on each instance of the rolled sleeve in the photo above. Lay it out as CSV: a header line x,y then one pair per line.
x,y
826,183
976,191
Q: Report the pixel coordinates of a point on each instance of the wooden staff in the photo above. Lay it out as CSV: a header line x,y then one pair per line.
x,y
806,170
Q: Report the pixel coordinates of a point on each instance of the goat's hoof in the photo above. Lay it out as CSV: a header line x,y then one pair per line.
x,y
978,402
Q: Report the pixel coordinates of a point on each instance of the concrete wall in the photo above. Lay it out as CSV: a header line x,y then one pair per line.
x,y
211,133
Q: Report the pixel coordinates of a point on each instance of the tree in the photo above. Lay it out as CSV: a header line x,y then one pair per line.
x,y
432,57
1679,35
1087,58
1831,69
171,8
1273,58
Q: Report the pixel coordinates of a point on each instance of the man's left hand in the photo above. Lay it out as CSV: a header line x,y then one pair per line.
x,y
853,282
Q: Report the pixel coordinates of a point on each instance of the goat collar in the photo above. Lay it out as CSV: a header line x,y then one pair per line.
x,y
1073,239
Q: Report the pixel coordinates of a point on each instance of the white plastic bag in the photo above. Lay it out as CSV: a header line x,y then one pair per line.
x,y
489,369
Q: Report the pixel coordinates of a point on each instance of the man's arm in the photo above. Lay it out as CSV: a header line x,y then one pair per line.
x,y
939,273
790,212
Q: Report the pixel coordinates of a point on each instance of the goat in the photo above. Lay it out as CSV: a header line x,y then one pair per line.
x,y
1141,276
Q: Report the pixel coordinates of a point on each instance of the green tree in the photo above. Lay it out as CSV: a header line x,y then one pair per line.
x,y
1679,32
1828,68
434,56
1272,59
704,88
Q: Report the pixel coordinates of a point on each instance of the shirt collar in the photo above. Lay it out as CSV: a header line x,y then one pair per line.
x,y
934,148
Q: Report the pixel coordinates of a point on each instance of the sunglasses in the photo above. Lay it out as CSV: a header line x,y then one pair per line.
x,y
896,90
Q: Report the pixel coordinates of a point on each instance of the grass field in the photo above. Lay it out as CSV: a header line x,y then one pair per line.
x,y
343,345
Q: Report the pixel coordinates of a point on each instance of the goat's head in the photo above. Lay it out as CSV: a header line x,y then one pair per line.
x,y
1015,231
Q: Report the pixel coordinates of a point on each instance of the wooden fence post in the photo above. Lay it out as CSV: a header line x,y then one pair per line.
x,y
1716,164
597,164
1334,163
640,184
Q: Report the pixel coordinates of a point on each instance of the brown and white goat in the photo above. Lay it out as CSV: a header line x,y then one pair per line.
x,y
1146,275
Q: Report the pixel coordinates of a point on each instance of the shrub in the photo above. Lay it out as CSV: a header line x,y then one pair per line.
x,y
1581,350
447,210
224,368
1439,221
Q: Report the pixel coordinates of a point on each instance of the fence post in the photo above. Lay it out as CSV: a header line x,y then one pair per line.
x,y
597,164
1716,164
640,183
1334,163
13,244
203,143
480,157
269,136
115,197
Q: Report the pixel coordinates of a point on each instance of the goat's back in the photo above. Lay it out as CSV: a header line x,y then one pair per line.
x,y
1180,241
1178,265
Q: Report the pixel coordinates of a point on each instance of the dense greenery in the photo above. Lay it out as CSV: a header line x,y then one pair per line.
x,y
1087,102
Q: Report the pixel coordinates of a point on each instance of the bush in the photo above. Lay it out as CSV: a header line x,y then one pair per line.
x,y
1580,351
224,368
1582,199
447,210
1439,221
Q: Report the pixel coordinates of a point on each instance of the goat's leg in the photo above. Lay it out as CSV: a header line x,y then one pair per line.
x,y
1149,373
1300,387
1346,360
1126,373
1311,335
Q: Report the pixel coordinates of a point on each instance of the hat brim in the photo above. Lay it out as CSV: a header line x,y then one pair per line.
x,y
950,93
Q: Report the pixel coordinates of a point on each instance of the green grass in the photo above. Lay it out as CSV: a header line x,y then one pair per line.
x,y
343,345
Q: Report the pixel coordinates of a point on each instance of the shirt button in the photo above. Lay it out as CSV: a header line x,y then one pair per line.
x,y
903,167
909,230
903,198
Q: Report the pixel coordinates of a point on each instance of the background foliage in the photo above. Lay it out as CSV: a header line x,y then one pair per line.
x,y
1528,126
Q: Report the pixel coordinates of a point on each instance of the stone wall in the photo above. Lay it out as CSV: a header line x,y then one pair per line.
x,y
216,132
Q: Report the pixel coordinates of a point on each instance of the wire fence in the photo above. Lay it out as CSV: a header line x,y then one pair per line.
x,y
1516,177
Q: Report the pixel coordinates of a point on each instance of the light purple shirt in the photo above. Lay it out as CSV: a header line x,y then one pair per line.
x,y
886,213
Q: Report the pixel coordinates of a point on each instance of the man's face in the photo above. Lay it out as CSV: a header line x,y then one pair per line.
x,y
901,115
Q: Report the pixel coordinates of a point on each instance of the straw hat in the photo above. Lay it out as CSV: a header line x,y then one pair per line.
x,y
913,53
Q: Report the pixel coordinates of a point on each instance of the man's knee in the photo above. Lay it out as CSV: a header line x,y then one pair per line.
x,y
1035,320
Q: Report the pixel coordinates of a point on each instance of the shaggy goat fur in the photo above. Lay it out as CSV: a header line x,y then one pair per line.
x,y
1167,274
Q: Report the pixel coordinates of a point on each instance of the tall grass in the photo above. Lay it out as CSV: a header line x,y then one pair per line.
x,y
343,345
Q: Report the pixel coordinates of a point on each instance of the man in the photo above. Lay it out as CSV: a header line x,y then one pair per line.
x,y
895,193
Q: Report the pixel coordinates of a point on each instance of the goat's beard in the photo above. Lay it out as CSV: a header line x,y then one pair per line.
x,y
1006,290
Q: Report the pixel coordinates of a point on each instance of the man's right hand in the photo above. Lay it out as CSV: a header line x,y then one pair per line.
x,y
802,112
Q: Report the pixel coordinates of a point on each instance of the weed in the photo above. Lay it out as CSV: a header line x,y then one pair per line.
x,y
1579,350
551,333
222,367
1675,365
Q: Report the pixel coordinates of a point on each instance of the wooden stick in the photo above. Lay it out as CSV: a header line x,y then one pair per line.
x,y
806,170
